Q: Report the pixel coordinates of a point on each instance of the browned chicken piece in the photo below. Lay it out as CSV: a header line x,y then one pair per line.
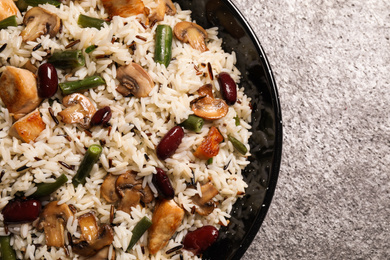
x,y
7,9
18,90
164,7
53,219
124,8
167,218
28,128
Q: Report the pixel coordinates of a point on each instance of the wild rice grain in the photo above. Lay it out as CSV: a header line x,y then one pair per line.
x,y
39,45
174,249
1,175
141,38
55,119
22,168
70,45
70,167
2,48
210,69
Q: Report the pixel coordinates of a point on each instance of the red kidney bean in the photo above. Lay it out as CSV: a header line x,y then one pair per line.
x,y
21,211
163,184
199,240
102,116
228,88
47,80
170,142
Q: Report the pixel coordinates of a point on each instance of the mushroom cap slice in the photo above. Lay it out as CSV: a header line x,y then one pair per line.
x,y
167,218
209,108
205,203
52,219
103,254
39,21
79,109
163,7
191,33
124,8
88,227
108,190
105,238
7,9
18,91
134,80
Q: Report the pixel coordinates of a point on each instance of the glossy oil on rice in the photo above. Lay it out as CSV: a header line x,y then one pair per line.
x,y
137,126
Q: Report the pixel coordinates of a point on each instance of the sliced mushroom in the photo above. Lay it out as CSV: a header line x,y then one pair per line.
x,y
53,219
134,80
124,8
209,108
131,191
39,21
167,218
191,33
108,190
205,203
18,90
91,248
103,254
28,128
163,7
79,109
7,9
88,227
206,90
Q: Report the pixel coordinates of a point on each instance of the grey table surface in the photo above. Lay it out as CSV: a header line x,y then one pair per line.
x,y
331,62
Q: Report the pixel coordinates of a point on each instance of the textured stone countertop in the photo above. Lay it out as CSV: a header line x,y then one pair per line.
x,y
331,62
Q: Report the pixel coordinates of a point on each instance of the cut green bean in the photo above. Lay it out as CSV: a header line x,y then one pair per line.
x,y
80,85
23,4
7,22
90,158
87,21
90,48
163,49
240,147
193,123
138,231
7,252
210,160
68,59
237,120
45,189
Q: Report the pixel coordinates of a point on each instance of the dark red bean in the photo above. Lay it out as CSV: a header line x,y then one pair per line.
x,y
228,88
102,116
199,240
170,142
163,184
21,211
47,80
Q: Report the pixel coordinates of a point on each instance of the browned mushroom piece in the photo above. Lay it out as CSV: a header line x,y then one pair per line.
x,y
131,192
91,248
209,108
108,190
134,80
103,254
163,7
39,21
79,109
18,91
167,218
205,203
29,127
191,33
53,219
88,227
124,8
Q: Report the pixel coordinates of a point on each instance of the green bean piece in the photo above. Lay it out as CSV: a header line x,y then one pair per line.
x,y
7,22
80,85
23,4
237,120
240,147
68,59
90,158
87,21
138,231
163,49
7,252
210,161
45,189
90,48
193,123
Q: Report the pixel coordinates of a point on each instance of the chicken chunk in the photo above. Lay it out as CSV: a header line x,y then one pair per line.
x,y
163,7
18,90
7,9
28,128
167,218
124,8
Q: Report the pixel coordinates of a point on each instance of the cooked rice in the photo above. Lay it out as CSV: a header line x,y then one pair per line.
x,y
137,127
